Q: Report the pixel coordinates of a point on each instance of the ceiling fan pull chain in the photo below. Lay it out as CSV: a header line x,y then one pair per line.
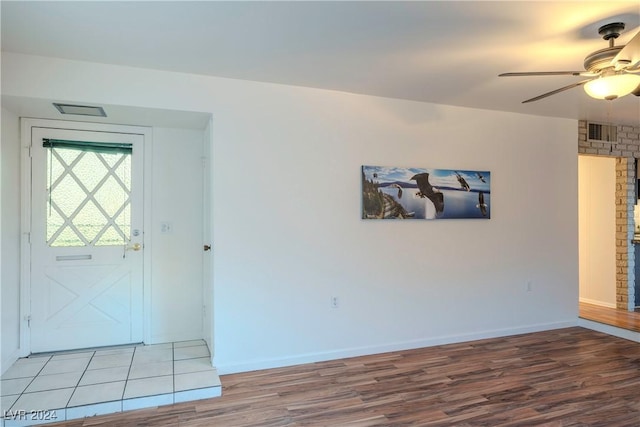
x,y
609,107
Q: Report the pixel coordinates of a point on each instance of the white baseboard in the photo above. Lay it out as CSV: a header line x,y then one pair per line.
x,y
600,303
258,364
162,339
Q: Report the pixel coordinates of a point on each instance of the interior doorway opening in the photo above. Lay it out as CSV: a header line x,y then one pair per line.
x,y
597,230
623,145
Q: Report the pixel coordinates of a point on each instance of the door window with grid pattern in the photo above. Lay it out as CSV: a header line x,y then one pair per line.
x,y
88,194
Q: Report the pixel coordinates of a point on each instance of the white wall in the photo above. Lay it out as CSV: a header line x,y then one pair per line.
x,y
176,258
597,230
286,214
10,238
207,232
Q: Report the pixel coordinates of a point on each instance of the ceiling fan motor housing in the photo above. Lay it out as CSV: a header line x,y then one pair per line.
x,y
601,59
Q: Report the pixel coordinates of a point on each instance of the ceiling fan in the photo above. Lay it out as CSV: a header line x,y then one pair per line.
x,y
612,72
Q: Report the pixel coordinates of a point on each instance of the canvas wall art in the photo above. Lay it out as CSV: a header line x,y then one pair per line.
x,y
419,193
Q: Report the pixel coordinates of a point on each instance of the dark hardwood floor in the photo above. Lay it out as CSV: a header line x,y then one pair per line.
x,y
565,377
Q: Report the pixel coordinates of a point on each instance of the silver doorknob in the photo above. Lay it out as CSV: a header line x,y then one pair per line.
x,y
135,247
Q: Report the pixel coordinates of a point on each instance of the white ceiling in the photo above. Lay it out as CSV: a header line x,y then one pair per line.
x,y
446,52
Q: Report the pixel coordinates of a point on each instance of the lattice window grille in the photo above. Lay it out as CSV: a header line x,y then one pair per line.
x,y
107,222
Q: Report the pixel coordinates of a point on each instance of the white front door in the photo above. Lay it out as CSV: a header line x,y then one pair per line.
x,y
86,239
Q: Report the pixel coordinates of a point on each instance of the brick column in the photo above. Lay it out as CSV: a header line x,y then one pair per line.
x,y
625,250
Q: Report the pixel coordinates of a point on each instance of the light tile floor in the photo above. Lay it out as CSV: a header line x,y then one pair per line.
x,y
66,386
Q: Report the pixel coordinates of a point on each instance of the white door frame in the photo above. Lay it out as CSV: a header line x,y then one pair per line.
x,y
25,247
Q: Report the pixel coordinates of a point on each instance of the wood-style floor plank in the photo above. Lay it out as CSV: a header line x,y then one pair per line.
x,y
566,377
611,316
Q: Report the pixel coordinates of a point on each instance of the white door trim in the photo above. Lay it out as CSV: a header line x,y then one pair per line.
x,y
25,227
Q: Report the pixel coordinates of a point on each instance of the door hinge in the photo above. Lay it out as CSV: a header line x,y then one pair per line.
x,y
207,248
28,319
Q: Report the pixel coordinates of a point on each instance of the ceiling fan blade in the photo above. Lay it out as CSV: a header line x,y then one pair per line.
x,y
545,73
553,92
630,54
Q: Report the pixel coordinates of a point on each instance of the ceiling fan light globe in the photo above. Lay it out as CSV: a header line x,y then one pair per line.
x,y
612,87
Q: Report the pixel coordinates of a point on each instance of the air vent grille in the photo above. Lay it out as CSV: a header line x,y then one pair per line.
x,y
601,132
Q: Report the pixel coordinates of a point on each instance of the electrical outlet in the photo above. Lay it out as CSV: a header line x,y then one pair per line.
x,y
335,303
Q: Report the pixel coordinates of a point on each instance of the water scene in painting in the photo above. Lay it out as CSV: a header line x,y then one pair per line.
x,y
420,193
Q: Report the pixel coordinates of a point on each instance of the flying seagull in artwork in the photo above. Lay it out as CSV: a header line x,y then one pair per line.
x,y
399,190
480,177
481,204
426,190
463,182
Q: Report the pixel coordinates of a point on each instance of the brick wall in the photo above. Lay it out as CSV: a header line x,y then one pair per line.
x,y
625,149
